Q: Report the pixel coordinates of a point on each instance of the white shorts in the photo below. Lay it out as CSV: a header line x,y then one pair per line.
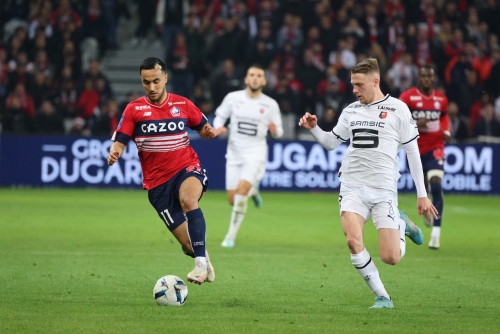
x,y
381,204
252,172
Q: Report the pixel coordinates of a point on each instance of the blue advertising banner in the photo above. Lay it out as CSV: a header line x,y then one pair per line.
x,y
292,165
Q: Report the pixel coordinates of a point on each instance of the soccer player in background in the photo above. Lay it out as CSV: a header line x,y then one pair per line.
x,y
251,114
429,110
377,126
172,173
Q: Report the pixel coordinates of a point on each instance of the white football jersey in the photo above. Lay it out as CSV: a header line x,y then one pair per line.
x,y
249,121
377,132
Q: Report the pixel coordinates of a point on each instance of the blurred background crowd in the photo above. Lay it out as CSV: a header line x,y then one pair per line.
x,y
51,51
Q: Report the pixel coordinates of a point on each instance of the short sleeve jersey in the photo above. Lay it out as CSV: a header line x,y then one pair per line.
x,y
434,107
377,132
249,122
160,133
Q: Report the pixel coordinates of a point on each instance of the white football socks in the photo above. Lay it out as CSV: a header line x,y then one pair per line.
x,y
237,216
402,236
367,269
202,259
436,232
252,191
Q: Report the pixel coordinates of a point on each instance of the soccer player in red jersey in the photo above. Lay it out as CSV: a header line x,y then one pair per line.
x,y
172,173
429,109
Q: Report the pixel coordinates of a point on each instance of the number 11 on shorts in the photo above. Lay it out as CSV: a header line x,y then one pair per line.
x,y
168,220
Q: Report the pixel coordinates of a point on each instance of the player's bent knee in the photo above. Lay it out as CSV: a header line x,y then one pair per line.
x,y
435,179
391,259
435,175
189,204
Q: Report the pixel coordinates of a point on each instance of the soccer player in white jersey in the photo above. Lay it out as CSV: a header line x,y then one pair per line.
x,y
251,114
377,126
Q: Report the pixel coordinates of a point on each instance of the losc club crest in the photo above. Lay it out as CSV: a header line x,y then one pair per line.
x,y
175,112
383,114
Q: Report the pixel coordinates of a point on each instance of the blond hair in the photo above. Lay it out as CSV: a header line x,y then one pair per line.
x,y
367,66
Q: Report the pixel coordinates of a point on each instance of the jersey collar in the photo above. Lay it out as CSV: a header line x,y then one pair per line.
x,y
379,101
157,105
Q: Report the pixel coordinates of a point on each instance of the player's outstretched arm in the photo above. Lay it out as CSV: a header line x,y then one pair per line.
x,y
115,152
326,139
207,132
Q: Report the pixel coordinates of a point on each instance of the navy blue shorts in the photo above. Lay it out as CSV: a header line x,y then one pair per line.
x,y
165,197
433,160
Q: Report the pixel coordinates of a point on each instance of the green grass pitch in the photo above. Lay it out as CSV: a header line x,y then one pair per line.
x,y
85,261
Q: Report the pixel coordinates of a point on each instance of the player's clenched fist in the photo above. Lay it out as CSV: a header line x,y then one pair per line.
x,y
308,121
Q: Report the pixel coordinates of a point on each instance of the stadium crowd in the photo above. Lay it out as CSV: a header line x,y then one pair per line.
x,y
51,82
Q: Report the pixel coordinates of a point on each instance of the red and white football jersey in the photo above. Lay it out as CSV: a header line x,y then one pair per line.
x,y
160,133
434,107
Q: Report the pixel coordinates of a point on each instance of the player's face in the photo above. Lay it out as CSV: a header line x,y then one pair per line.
x,y
426,78
255,79
363,86
154,82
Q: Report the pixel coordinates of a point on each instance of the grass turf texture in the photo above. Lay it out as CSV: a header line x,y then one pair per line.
x,y
86,261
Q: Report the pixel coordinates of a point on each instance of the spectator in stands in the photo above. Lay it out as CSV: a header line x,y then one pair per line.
x,y
196,48
25,101
40,90
20,71
94,25
16,120
65,14
282,93
3,73
328,118
286,58
456,45
228,45
131,96
493,83
469,92
310,76
403,68
490,14
226,82
327,35
41,43
332,98
293,83
179,64
272,74
488,125
14,48
290,32
70,57
169,21
378,53
48,120
66,99
78,127
42,64
105,122
458,128
260,55
94,73
89,100
104,90
476,110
